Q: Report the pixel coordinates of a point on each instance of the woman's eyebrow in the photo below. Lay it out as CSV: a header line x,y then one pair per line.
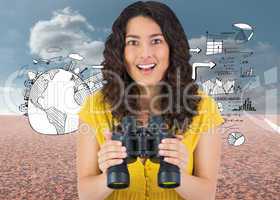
x,y
155,35
132,36
151,36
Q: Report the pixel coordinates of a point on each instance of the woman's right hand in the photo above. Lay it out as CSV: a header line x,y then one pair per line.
x,y
111,153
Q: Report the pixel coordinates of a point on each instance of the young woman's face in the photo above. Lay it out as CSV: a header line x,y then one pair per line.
x,y
146,52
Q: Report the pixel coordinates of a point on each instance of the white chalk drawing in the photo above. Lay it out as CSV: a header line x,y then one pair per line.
x,y
236,139
55,100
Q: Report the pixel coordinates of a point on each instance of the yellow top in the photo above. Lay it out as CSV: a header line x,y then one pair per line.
x,y
143,177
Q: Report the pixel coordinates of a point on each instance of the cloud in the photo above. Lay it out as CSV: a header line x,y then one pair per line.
x,y
263,46
68,31
265,57
198,42
10,99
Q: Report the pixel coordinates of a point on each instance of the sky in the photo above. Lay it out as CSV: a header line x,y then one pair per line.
x,y
28,26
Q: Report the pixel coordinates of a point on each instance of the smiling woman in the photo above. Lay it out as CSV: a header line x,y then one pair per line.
x,y
146,51
147,72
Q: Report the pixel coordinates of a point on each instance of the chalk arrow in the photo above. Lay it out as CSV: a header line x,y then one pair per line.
x,y
196,50
211,65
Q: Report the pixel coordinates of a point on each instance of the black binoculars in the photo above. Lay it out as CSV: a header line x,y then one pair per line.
x,y
142,142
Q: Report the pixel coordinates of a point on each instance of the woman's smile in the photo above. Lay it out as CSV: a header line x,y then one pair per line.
x,y
146,69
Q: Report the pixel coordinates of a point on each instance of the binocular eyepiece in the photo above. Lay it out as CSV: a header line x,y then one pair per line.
x,y
142,142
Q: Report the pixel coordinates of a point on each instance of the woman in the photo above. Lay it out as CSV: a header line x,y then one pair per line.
x,y
147,71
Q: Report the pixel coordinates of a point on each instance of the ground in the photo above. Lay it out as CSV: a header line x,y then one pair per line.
x,y
40,167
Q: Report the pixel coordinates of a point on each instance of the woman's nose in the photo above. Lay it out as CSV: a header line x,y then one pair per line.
x,y
145,51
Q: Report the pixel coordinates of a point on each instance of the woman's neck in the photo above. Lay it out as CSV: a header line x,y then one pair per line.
x,y
149,91
149,102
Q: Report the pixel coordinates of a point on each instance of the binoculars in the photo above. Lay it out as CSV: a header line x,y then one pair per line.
x,y
142,142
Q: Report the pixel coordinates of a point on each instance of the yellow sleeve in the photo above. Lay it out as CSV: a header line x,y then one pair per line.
x,y
207,118
84,113
208,115
95,115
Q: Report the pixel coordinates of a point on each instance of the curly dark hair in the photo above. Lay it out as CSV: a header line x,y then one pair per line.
x,y
178,65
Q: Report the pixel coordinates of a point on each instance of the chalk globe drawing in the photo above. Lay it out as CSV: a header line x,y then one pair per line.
x,y
55,100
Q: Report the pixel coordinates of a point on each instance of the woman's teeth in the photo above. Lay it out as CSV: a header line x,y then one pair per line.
x,y
144,67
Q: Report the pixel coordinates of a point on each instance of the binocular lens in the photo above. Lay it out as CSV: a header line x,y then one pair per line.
x,y
118,180
118,176
168,179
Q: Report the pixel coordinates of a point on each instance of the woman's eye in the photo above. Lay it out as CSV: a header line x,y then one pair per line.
x,y
132,42
156,41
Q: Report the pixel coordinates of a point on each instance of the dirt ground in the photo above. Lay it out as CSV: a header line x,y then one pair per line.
x,y
40,167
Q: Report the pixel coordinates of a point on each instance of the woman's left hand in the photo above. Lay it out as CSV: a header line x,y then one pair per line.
x,y
174,152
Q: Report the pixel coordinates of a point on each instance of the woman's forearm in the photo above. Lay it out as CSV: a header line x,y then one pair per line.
x,y
193,188
93,187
